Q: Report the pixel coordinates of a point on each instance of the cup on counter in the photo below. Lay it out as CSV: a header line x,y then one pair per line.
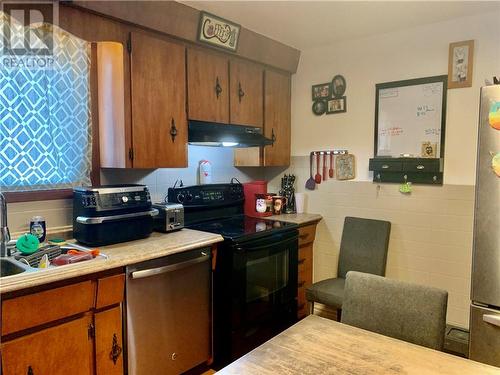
x,y
278,203
264,204
300,202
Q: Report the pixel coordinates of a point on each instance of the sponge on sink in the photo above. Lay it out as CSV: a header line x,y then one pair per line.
x,y
27,244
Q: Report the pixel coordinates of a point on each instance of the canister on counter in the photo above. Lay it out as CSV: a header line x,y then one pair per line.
x,y
38,228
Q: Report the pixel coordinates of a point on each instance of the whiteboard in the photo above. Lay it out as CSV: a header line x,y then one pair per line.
x,y
409,118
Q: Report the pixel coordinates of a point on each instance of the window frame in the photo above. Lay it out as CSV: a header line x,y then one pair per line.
x,y
95,178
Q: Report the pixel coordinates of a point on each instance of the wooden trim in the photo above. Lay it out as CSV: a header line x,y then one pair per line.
x,y
95,173
181,21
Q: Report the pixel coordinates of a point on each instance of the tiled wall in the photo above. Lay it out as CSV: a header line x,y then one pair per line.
x,y
431,236
58,213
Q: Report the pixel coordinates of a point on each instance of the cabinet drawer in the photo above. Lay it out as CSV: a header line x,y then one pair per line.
x,y
110,291
422,165
35,309
307,234
385,165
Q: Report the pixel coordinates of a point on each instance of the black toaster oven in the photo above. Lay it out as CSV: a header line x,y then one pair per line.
x,y
104,215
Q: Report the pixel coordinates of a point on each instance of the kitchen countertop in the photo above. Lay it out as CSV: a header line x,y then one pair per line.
x,y
317,345
299,219
119,255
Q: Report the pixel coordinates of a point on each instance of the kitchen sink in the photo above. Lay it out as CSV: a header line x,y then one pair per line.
x,y
9,267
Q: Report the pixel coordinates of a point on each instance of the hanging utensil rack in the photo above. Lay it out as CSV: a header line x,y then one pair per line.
x,y
329,152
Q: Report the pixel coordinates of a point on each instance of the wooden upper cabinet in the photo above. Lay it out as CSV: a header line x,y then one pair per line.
x,y
208,86
63,349
277,118
158,101
246,93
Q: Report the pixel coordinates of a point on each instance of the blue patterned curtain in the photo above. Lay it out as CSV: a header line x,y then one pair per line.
x,y
45,122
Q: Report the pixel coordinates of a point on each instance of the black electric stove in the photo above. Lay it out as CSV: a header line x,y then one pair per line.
x,y
241,228
255,276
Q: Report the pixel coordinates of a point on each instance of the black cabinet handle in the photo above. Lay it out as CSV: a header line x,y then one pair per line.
x,y
273,136
218,88
173,130
241,93
116,350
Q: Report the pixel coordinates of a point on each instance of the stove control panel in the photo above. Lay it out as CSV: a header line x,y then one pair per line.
x,y
206,195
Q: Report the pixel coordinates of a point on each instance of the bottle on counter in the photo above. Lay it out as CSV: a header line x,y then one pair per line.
x,y
205,172
38,228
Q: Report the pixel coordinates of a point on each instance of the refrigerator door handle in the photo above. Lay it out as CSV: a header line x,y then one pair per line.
x,y
492,319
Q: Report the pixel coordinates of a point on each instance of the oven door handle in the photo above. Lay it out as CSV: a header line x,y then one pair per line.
x,y
255,248
169,268
102,219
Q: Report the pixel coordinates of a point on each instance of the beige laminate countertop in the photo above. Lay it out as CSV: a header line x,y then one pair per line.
x,y
299,219
317,345
119,255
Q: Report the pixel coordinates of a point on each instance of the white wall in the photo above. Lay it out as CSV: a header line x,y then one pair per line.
x,y
431,238
413,53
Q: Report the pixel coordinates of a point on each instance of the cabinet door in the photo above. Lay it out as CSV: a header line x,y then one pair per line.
x,y
277,118
208,86
247,93
159,124
109,342
63,349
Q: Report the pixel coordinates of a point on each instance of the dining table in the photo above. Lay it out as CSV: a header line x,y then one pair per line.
x,y
316,345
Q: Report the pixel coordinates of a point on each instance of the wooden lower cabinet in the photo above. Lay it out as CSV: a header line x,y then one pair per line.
x,y
109,342
77,336
63,349
307,234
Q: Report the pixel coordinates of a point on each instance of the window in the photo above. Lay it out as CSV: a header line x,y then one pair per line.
x,y
45,121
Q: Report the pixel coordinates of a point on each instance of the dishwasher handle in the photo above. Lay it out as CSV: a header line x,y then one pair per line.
x,y
169,268
492,319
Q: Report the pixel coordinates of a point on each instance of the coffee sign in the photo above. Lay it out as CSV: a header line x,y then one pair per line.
x,y
218,32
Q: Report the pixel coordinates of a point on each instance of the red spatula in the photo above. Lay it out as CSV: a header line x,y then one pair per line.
x,y
330,171
324,167
317,177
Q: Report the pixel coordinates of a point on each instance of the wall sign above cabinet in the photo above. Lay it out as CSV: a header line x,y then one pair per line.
x,y
218,32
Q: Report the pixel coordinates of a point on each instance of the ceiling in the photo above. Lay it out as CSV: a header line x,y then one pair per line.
x,y
309,24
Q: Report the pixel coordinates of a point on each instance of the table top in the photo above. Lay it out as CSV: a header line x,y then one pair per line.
x,y
317,345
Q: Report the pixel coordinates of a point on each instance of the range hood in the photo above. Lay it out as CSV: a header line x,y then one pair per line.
x,y
203,133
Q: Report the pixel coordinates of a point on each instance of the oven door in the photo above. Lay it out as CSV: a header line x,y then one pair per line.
x,y
264,289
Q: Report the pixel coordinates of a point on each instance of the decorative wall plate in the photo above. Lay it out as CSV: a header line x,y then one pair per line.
x,y
319,107
339,86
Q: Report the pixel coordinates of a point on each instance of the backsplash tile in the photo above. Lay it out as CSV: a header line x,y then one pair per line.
x,y
58,213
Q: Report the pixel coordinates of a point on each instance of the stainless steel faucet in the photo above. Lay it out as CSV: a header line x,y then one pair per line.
x,y
4,229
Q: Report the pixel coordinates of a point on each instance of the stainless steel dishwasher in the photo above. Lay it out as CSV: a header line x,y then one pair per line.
x,y
168,309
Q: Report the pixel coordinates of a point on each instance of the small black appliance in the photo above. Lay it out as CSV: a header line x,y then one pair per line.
x,y
104,215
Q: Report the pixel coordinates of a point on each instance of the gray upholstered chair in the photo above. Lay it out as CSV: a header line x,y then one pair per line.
x,y
398,309
363,248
